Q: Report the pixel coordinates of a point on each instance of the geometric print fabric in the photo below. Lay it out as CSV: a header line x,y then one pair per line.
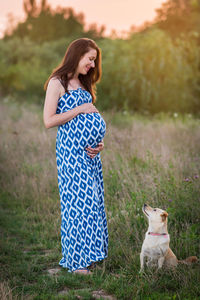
x,y
84,234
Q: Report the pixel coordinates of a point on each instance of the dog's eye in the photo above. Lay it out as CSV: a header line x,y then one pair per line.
x,y
154,209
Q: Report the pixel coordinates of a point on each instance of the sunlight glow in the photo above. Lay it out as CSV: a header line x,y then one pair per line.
x,y
118,15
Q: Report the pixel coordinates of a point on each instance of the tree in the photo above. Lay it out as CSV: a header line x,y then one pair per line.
x,y
172,8
44,24
179,16
30,8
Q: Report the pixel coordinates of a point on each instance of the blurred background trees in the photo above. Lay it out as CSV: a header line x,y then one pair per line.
x,y
155,69
44,24
179,16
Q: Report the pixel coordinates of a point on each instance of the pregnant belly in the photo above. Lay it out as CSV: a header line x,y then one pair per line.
x,y
91,129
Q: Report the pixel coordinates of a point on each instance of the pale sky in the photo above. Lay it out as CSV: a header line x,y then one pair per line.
x,y
114,14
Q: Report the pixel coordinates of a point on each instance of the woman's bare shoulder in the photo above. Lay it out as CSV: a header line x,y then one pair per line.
x,y
54,82
55,85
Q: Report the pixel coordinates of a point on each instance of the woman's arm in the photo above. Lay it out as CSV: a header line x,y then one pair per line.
x,y
51,119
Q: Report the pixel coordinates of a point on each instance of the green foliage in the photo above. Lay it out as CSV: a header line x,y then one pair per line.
x,y
25,66
149,72
177,17
45,24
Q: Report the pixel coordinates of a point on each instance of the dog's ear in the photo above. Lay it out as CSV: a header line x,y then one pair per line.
x,y
164,216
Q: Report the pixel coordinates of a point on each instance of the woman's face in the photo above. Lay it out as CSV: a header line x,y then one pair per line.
x,y
87,62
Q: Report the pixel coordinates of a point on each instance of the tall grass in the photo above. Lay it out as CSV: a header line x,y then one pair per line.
x,y
153,160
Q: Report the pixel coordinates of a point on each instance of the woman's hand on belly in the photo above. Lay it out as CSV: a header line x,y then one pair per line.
x,y
92,152
87,108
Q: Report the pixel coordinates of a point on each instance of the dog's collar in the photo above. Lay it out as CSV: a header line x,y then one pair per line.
x,y
152,233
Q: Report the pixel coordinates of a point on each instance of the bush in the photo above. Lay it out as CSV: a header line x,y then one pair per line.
x,y
148,72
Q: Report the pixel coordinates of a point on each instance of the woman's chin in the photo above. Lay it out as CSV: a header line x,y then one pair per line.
x,y
83,72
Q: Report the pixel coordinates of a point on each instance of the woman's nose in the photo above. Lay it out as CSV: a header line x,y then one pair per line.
x,y
93,64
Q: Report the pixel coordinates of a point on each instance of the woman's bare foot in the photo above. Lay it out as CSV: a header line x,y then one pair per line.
x,y
83,271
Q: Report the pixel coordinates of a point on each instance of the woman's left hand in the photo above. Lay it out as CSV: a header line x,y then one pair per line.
x,y
92,152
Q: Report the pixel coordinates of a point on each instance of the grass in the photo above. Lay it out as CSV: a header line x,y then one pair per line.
x,y
146,159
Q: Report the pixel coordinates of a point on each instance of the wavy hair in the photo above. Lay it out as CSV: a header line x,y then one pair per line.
x,y
67,68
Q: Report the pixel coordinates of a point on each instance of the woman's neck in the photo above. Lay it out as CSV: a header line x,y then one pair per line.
x,y
74,83
75,77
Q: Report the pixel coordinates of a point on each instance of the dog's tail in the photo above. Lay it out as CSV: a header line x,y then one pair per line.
x,y
189,260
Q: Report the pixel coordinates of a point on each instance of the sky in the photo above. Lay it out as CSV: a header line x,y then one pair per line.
x,y
119,15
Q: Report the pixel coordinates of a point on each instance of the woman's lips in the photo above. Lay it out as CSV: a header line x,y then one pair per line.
x,y
87,69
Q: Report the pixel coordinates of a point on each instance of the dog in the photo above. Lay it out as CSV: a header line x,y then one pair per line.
x,y
156,243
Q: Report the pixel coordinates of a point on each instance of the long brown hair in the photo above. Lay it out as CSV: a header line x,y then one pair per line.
x,y
70,62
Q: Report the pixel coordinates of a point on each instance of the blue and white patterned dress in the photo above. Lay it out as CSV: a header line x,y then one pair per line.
x,y
84,234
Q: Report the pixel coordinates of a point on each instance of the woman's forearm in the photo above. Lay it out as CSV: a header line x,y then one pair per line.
x,y
60,119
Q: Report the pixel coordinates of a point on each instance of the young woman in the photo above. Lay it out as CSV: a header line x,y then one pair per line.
x,y
70,94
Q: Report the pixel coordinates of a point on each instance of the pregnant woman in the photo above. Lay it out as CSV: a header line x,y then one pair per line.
x,y
70,94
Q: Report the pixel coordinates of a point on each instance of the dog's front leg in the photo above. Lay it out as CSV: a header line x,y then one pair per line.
x,y
160,262
141,262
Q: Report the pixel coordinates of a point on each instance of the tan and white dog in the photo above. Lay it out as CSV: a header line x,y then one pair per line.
x,y
156,243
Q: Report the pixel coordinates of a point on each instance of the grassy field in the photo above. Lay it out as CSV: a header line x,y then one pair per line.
x,y
154,160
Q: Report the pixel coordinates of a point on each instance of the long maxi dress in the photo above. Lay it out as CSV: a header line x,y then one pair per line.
x,y
84,234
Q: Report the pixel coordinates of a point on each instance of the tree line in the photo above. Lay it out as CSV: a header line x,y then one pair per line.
x,y
155,69
42,23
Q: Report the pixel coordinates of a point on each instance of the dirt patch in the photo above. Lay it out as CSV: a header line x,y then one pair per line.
x,y
45,252
102,294
53,271
26,251
64,292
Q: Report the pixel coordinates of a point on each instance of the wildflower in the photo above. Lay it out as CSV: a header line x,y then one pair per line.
x,y
170,200
175,115
196,176
186,179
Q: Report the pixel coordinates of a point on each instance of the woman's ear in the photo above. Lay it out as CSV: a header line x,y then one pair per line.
x,y
164,216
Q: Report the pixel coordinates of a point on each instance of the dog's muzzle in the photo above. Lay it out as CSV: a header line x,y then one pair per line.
x,y
145,210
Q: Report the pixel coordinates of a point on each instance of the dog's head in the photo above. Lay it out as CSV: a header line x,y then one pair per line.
x,y
155,215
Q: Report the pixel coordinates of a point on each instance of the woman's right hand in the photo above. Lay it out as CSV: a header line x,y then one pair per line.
x,y
88,108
